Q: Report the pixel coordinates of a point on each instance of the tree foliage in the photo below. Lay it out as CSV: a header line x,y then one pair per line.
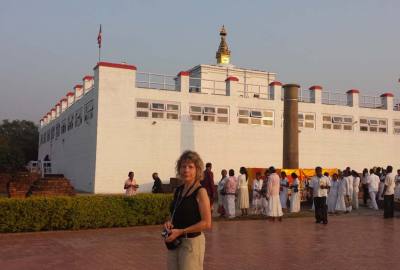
x,y
18,144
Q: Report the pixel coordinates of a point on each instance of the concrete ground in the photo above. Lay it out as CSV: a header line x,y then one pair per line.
x,y
361,240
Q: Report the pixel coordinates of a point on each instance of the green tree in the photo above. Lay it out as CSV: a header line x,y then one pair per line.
x,y
18,144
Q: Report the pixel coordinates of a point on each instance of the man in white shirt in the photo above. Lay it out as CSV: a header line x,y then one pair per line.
x,y
388,193
356,188
349,193
319,185
373,187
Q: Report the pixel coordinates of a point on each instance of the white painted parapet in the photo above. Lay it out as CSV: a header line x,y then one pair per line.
x,y
78,90
53,113
182,82
316,94
70,98
353,97
88,82
49,117
58,109
387,101
41,122
232,86
275,89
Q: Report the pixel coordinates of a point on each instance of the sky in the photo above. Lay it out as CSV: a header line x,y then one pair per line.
x,y
46,47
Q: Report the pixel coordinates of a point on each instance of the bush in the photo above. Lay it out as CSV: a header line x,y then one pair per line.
x,y
82,212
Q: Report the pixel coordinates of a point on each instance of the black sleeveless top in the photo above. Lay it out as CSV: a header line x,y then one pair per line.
x,y
187,212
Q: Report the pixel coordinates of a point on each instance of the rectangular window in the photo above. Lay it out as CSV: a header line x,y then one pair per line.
x,y
209,110
145,109
195,117
173,116
256,117
268,114
244,113
58,129
256,114
243,120
337,119
209,118
71,121
158,106
78,117
142,105
337,126
373,124
309,117
63,126
209,113
363,128
157,114
222,110
222,119
195,109
268,122
309,125
256,121
89,110
326,126
396,127
142,114
172,107
53,132
327,118
347,127
337,122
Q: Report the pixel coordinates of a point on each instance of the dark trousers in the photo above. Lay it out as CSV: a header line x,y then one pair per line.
x,y
388,206
365,194
321,209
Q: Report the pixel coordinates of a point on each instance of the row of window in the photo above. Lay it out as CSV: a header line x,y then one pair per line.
x,y
220,114
74,119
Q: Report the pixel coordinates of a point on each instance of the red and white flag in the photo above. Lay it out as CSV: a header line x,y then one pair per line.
x,y
99,37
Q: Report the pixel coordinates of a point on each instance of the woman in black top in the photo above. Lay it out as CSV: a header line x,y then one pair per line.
x,y
190,215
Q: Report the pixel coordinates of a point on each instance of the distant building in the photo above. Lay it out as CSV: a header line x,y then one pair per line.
x,y
121,120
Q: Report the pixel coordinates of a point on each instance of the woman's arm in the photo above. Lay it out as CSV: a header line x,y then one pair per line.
x,y
203,224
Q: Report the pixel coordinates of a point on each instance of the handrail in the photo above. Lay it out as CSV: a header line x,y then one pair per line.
x,y
371,102
155,81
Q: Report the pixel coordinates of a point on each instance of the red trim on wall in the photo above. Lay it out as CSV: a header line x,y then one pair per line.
x,y
64,99
184,73
58,104
78,86
87,78
353,91
53,110
69,94
275,83
232,78
114,65
387,95
315,87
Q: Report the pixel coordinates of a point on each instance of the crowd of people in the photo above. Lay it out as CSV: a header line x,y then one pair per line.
x,y
272,195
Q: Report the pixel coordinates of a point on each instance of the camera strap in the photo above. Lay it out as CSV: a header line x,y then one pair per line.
x,y
179,200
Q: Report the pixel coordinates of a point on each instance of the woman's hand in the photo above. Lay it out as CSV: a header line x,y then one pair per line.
x,y
174,233
168,225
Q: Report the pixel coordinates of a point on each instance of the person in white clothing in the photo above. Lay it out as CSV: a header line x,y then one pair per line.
x,y
388,193
283,191
349,192
333,194
264,199
364,183
397,187
373,186
356,188
222,208
274,204
243,191
257,186
342,188
295,194
320,185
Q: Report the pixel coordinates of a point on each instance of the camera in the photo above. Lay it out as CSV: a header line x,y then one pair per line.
x,y
171,245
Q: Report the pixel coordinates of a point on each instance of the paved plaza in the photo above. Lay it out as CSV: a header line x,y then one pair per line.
x,y
356,241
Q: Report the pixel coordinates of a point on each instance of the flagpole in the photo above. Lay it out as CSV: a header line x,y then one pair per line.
x,y
99,39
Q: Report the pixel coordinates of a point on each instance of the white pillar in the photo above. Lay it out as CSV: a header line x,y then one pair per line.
x,y
353,97
387,101
49,117
64,104
53,113
70,98
78,89
275,90
182,82
58,109
41,122
88,82
232,86
316,94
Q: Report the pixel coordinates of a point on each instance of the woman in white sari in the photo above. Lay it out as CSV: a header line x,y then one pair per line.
x,y
295,194
257,186
342,189
333,194
283,194
243,191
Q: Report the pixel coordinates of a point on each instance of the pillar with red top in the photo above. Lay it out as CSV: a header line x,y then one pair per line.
x,y
353,97
182,82
316,93
87,83
232,86
275,90
78,90
387,101
70,98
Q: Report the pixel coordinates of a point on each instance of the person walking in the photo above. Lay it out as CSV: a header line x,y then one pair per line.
x,y
243,191
319,185
208,183
230,194
295,194
388,193
274,203
190,216
157,186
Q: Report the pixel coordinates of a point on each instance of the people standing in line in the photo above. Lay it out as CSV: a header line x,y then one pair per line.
x,y
333,193
244,203
388,193
230,194
274,203
283,194
397,187
341,198
295,196
364,184
130,185
157,186
356,188
319,185
190,216
208,183
257,186
221,193
373,187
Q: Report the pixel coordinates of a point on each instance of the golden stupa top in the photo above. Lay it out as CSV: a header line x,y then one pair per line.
x,y
223,53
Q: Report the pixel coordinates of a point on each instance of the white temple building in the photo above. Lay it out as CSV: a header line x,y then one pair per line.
x,y
122,120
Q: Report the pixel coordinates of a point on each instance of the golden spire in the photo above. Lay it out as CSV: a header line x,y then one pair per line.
x,y
223,53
